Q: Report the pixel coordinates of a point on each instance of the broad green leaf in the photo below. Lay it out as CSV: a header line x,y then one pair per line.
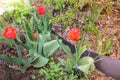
x,y
40,47
65,48
86,60
33,52
92,67
40,62
50,47
68,64
47,36
86,64
80,52
27,63
84,68
40,44
45,23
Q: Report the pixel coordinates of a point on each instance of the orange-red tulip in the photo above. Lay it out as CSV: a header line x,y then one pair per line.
x,y
9,32
41,9
74,34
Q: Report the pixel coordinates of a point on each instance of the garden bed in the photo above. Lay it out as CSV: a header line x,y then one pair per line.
x,y
110,21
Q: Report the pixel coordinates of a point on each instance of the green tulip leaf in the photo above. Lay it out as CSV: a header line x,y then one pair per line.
x,y
40,62
86,64
50,47
86,60
84,68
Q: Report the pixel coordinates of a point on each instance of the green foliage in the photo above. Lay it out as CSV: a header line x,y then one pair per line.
x,y
107,6
19,12
65,19
76,12
104,48
38,50
22,62
107,46
67,12
104,44
74,65
43,47
91,18
72,8
58,4
52,71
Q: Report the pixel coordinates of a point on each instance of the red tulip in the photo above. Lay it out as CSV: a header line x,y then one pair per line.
x,y
102,1
35,35
41,10
74,34
9,32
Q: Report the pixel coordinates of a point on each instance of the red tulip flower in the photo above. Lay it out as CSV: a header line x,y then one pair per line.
x,y
41,10
35,35
9,32
74,34
102,1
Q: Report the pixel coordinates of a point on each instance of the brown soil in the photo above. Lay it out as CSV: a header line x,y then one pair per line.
x,y
97,75
7,73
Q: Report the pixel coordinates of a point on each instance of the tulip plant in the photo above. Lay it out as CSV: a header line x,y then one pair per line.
x,y
38,43
75,65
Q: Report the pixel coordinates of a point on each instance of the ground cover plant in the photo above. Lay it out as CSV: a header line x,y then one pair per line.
x,y
26,29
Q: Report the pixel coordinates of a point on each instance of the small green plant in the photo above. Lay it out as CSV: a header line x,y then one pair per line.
x,y
107,6
52,71
57,4
65,19
104,44
91,18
